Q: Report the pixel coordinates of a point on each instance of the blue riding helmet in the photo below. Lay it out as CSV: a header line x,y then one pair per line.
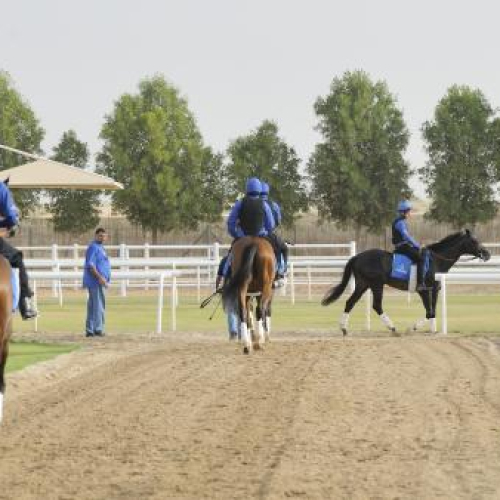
x,y
404,206
264,188
253,186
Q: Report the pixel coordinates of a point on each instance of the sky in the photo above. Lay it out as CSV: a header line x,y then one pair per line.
x,y
239,62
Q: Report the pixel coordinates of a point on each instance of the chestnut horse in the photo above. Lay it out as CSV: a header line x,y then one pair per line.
x,y
5,322
253,269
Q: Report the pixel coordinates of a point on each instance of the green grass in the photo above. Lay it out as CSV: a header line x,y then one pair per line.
x,y
137,313
23,354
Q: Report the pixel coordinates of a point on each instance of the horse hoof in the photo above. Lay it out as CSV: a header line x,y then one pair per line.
x,y
344,331
257,347
246,350
395,333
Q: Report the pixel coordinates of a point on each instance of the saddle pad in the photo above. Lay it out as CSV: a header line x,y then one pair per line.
x,y
14,278
401,267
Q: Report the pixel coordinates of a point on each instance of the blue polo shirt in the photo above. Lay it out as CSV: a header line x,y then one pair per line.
x,y
96,256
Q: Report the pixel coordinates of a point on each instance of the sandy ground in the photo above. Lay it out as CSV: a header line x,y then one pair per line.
x,y
311,417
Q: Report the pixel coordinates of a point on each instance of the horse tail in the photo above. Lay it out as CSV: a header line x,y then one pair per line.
x,y
334,293
242,275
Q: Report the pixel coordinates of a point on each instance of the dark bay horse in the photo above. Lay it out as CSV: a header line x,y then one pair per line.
x,y
253,268
5,322
371,270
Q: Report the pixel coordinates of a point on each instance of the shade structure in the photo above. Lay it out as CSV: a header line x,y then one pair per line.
x,y
49,174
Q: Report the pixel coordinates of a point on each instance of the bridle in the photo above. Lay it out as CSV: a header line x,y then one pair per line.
x,y
447,259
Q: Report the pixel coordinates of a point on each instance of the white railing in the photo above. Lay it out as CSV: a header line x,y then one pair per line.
x,y
161,276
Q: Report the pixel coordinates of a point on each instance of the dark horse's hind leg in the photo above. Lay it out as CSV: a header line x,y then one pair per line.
x,y
359,290
378,293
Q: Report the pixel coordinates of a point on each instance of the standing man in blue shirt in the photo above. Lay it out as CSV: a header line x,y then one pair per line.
x,y
8,222
96,276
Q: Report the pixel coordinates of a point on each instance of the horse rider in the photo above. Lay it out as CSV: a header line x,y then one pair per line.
x,y
406,245
250,216
278,243
8,222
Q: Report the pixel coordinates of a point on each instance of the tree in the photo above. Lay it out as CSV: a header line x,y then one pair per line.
x,y
358,172
265,155
152,145
19,129
461,172
73,211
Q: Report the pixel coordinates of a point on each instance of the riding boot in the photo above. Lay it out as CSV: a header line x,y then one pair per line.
x,y
26,308
421,284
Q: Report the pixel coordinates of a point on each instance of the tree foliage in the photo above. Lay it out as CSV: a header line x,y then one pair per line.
x,y
462,142
265,155
152,145
19,129
358,172
73,211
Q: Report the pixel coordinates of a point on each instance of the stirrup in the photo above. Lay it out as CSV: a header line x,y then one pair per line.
x,y
279,283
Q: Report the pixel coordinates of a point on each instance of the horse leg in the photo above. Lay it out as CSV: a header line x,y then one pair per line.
x,y
245,336
378,293
4,351
259,340
267,323
359,290
427,301
433,301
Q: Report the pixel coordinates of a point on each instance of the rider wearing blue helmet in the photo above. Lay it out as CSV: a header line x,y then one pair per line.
x,y
405,244
279,245
250,216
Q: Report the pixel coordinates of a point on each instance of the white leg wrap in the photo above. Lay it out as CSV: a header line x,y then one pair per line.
x,y
1,407
387,321
433,325
260,331
419,324
268,324
245,337
344,320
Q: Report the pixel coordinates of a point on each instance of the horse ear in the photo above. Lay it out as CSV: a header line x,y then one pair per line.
x,y
467,232
6,181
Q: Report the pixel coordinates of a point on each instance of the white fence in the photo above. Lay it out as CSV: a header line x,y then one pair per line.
x,y
198,272
164,278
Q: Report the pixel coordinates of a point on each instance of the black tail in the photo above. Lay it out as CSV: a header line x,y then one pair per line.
x,y
334,293
244,273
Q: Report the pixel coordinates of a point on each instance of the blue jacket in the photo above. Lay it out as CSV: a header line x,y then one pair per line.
x,y
8,209
96,256
235,230
401,235
275,210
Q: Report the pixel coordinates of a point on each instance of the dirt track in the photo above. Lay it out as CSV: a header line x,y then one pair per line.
x,y
309,418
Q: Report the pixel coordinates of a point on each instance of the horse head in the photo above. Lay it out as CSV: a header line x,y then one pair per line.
x,y
472,246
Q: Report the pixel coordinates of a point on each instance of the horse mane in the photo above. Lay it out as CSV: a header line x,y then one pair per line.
x,y
446,241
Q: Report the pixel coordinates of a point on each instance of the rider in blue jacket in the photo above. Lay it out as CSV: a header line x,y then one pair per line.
x,y
278,243
8,222
405,244
250,216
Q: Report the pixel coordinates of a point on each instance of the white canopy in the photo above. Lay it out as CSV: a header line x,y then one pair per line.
x,y
48,174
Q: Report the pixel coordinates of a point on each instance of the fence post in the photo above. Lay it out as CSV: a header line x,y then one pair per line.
x,y
75,257
352,249
35,300
123,255
444,310
146,256
174,303
216,257
160,304
309,296
55,258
